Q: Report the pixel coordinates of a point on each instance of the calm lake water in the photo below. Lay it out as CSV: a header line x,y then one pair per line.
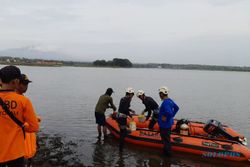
x,y
65,97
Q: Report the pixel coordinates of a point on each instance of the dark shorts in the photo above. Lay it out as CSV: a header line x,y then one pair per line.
x,y
100,119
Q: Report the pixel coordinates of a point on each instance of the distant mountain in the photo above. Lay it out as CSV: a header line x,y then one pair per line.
x,y
32,52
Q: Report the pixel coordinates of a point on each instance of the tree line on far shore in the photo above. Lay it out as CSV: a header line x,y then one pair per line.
x,y
116,62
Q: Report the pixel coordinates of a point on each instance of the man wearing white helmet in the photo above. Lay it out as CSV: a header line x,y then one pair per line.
x,y
123,112
168,109
150,105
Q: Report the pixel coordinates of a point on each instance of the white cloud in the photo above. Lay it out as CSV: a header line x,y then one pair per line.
x,y
141,30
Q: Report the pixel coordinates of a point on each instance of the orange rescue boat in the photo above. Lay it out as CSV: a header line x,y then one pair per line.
x,y
210,140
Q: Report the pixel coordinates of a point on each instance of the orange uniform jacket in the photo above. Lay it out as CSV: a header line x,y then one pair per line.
x,y
11,135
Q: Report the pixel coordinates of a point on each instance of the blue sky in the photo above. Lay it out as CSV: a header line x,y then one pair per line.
x,y
164,31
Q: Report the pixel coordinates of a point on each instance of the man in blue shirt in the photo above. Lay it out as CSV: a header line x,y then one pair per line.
x,y
168,109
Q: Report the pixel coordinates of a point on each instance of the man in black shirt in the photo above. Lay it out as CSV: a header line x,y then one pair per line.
x,y
150,105
123,112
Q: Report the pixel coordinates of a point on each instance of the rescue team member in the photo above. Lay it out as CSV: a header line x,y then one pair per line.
x,y
150,105
30,138
105,101
124,111
168,109
23,84
12,136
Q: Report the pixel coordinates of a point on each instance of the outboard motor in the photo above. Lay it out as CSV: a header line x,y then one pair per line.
x,y
215,129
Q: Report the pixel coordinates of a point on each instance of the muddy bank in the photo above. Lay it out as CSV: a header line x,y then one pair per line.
x,y
53,151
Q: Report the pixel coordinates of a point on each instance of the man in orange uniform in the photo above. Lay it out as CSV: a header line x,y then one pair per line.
x,y
30,138
23,84
11,135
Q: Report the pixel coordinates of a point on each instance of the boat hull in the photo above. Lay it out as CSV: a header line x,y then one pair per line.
x,y
205,147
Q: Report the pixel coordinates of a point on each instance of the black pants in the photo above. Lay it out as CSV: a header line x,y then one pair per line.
x,y
123,131
14,163
151,123
165,137
28,162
